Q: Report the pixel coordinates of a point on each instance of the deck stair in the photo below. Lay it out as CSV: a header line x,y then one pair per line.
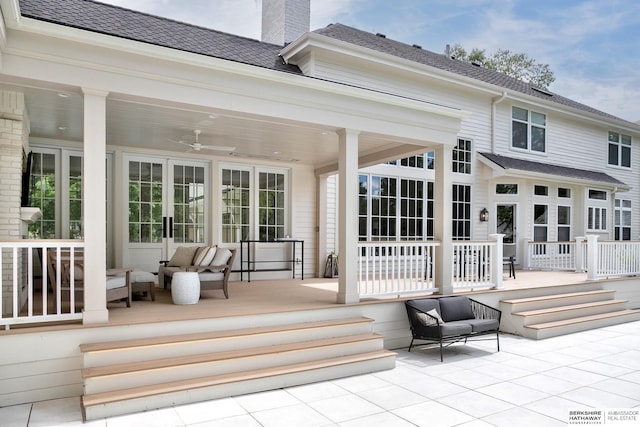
x,y
129,376
565,313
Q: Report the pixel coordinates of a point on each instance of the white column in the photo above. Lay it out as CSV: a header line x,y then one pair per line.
x,y
442,219
592,257
348,216
496,260
94,207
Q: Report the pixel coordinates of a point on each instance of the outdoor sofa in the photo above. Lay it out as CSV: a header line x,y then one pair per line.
x,y
212,263
450,319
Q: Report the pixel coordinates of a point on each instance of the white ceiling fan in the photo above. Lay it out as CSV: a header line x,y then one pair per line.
x,y
197,146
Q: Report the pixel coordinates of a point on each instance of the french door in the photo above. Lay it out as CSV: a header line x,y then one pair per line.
x,y
506,222
166,205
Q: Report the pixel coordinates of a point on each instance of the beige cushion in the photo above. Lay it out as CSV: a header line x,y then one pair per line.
x,y
114,282
207,276
183,256
429,321
222,257
204,255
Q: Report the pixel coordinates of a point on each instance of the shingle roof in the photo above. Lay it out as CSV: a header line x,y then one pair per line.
x,y
442,62
530,166
124,23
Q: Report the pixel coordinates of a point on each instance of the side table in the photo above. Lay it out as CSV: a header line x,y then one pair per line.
x,y
185,287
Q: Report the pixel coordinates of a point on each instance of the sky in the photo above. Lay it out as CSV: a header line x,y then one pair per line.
x,y
592,46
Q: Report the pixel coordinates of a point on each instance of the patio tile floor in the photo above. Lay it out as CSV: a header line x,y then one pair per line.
x,y
528,383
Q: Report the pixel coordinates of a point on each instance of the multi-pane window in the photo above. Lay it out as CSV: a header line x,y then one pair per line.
x,y
42,194
392,208
188,204
461,212
383,208
564,223
597,210
236,208
597,218
254,203
623,219
145,202
540,223
528,130
421,161
462,157
619,150
271,205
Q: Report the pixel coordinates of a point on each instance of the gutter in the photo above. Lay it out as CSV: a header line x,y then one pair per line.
x,y
495,101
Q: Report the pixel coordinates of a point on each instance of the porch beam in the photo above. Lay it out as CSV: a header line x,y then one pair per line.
x,y
442,219
348,216
94,207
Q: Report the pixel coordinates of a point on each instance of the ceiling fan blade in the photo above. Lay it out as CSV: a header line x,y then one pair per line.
x,y
218,147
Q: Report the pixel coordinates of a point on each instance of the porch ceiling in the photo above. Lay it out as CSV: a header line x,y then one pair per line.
x,y
150,125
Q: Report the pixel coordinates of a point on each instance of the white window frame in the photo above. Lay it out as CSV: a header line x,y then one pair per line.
x,y
530,124
461,162
597,211
622,221
622,144
254,190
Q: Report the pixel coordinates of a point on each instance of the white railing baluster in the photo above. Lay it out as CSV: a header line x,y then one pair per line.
x,y
395,268
20,289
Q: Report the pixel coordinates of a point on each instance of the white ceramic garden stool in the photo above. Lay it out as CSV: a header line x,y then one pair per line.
x,y
185,287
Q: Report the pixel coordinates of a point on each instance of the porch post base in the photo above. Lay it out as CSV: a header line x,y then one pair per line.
x,y
346,298
91,317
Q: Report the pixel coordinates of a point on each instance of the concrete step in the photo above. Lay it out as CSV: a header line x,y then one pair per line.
x,y
158,371
578,324
138,399
565,312
162,347
554,300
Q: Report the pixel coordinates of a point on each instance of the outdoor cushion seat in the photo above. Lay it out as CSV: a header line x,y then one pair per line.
x,y
451,319
455,328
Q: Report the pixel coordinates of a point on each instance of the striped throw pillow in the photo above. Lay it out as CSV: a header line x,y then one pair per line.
x,y
204,255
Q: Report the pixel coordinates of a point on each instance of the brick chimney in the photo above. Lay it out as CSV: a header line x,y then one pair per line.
x,y
283,21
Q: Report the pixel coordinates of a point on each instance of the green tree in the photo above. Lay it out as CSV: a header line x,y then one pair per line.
x,y
517,65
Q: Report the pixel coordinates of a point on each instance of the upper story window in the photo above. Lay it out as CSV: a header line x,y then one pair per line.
x,y
462,157
421,161
619,150
506,188
528,130
540,190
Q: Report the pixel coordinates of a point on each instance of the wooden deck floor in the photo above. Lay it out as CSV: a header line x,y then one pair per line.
x,y
272,296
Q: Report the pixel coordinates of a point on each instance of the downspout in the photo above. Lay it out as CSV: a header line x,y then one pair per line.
x,y
495,101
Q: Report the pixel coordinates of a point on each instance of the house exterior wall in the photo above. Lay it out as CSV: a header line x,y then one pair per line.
x,y
572,140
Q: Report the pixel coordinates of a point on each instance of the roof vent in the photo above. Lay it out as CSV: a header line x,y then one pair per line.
x,y
476,63
417,46
381,35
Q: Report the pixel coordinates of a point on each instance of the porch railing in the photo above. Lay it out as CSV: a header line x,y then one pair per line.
x,y
396,268
471,264
29,294
557,256
618,258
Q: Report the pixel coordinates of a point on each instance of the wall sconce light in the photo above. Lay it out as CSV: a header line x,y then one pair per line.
x,y
484,215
